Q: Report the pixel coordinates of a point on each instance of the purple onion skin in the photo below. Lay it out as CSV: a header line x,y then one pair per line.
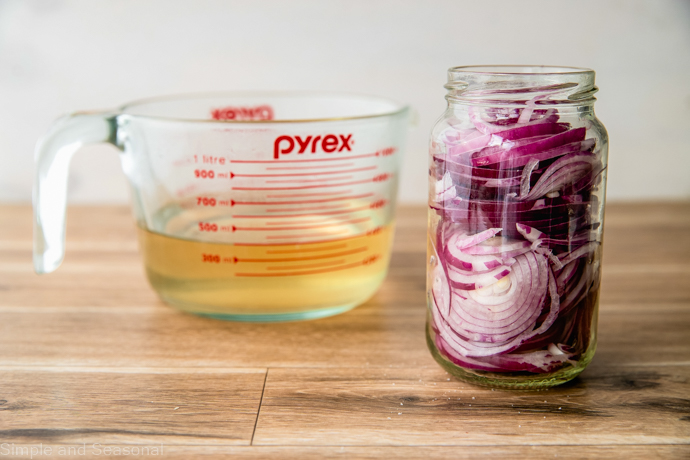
x,y
565,206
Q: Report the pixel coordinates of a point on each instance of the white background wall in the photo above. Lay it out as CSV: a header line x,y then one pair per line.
x,y
59,56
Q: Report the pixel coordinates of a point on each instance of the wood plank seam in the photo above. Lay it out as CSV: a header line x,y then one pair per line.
x,y
258,412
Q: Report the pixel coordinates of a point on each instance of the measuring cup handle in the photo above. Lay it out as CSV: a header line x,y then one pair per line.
x,y
53,154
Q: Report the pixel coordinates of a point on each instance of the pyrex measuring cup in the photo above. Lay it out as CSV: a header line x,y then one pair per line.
x,y
262,207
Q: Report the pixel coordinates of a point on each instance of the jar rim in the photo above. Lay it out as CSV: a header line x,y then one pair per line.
x,y
518,85
504,70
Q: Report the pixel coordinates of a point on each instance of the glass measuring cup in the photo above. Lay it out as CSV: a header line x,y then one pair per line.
x,y
249,206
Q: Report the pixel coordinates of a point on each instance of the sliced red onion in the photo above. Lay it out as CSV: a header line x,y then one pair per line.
x,y
454,135
465,241
563,167
503,146
540,361
471,262
468,363
526,113
440,288
555,261
531,165
493,182
497,304
518,156
532,265
445,190
488,128
469,280
565,176
497,245
588,248
461,165
502,138
566,274
577,292
530,234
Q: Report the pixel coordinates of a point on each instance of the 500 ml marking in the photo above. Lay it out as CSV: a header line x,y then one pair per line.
x,y
208,227
211,227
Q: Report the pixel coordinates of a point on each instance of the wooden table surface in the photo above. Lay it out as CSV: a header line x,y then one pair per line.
x,y
90,359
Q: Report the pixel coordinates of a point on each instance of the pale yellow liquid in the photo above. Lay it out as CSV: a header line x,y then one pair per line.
x,y
266,282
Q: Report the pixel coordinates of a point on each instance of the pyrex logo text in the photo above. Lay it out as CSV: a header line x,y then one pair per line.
x,y
328,143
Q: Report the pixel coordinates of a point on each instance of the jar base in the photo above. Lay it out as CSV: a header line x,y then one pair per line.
x,y
510,381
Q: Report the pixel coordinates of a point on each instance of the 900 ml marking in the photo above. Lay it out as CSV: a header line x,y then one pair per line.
x,y
204,173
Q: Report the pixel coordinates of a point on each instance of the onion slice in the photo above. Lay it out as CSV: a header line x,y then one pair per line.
x,y
518,302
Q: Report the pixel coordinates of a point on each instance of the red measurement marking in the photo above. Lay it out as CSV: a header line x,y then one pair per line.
x,y
308,160
378,178
204,173
297,195
337,206
279,168
386,152
301,267
302,236
370,260
366,195
187,189
303,227
305,235
309,221
299,259
205,201
302,215
210,258
309,272
301,240
381,177
210,160
374,231
293,251
207,227
378,204
306,181
304,174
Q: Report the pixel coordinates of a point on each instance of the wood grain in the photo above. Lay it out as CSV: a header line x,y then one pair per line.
x,y
628,452
82,350
378,334
111,405
427,407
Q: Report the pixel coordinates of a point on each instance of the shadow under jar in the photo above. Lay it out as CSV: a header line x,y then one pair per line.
x,y
517,174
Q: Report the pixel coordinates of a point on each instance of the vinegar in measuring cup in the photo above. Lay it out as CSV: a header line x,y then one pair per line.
x,y
253,281
250,206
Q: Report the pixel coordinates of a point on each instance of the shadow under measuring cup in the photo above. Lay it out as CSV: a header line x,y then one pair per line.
x,y
254,206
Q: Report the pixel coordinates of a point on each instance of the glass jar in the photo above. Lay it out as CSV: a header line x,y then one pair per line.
x,y
517,175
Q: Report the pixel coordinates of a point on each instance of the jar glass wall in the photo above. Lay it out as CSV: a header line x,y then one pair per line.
x,y
517,174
